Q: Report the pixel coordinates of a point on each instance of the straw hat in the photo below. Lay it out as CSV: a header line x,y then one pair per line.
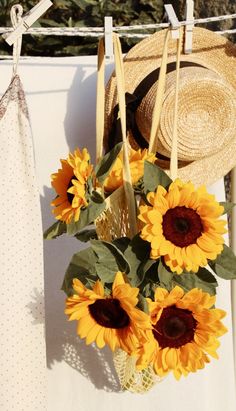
x,y
207,104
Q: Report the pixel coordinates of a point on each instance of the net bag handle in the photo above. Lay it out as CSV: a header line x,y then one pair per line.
x,y
100,115
156,116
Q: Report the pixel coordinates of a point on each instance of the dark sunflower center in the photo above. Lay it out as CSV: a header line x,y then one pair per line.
x,y
69,195
182,226
108,313
175,327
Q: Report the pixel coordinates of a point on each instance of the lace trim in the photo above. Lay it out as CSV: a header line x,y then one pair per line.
x,y
16,93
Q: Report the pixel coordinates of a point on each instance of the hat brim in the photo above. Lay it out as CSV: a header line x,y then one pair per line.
x,y
210,50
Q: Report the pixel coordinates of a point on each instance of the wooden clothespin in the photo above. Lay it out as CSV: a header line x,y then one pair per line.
x,y
189,14
108,28
26,22
173,19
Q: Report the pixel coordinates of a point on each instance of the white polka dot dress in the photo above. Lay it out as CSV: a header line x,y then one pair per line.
x,y
22,342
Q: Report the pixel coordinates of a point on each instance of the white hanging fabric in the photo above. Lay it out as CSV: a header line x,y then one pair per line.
x,y
22,345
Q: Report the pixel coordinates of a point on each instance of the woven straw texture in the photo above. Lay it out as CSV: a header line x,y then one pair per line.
x,y
114,221
217,55
206,114
131,379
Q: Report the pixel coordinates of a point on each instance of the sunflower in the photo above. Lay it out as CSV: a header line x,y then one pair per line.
x,y
113,320
70,185
136,162
185,331
183,225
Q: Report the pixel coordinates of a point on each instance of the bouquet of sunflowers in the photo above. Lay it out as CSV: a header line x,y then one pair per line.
x,y
146,284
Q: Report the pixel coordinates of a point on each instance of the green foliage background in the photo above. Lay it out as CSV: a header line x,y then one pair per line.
x,y
79,13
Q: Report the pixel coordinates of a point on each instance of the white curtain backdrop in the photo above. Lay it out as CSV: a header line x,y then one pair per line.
x,y
61,99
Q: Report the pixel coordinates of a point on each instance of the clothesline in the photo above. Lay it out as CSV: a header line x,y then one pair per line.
x,y
99,31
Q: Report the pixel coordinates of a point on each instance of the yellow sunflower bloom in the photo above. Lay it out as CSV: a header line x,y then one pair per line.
x,y
183,225
136,162
185,331
113,320
70,185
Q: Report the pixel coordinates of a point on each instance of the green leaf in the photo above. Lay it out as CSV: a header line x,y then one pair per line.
x,y
109,260
97,197
225,264
83,4
55,230
142,303
165,276
227,207
121,243
203,279
147,290
137,253
50,23
204,275
144,268
103,167
82,266
89,282
151,274
86,235
154,176
87,216
150,279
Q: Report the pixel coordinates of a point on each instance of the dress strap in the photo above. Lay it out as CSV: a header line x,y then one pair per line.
x,y
16,18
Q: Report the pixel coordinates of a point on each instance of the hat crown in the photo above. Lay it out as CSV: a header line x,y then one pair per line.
x,y
206,114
